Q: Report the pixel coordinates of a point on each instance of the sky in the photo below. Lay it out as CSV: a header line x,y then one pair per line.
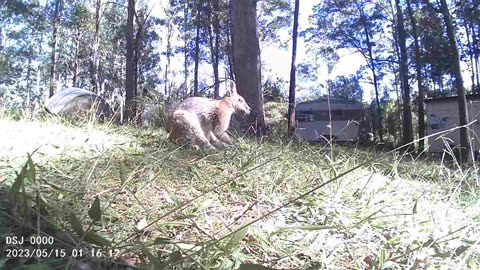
x,y
277,61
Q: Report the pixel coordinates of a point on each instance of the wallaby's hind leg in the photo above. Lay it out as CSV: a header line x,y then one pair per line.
x,y
186,129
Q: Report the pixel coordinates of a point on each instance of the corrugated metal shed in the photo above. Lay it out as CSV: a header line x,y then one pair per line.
x,y
442,115
313,119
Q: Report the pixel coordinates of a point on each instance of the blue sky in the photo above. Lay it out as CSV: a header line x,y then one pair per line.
x,y
276,61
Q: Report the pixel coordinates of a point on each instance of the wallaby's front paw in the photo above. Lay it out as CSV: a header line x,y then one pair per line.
x,y
209,147
227,146
193,147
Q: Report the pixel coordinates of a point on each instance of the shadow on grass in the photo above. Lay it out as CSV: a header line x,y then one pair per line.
x,y
31,239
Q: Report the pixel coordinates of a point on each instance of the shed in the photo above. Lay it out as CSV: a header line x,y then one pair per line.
x,y
313,119
77,103
442,115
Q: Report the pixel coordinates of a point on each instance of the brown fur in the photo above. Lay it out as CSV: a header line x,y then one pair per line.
x,y
203,122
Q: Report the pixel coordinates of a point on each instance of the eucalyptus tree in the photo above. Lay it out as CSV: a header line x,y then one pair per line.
x,y
111,54
94,61
436,55
272,17
129,67
246,55
213,12
139,27
347,87
407,137
462,101
291,92
198,24
74,48
419,76
147,58
58,6
468,22
203,27
11,13
22,31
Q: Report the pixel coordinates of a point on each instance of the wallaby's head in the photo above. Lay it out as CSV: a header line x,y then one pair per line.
x,y
239,104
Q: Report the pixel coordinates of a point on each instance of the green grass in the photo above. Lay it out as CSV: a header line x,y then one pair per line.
x,y
281,204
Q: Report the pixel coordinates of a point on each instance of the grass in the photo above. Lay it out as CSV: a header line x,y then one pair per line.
x,y
131,194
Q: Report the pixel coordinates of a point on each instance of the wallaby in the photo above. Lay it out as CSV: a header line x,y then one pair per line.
x,y
203,122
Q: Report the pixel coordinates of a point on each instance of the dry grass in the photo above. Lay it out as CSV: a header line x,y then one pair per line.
x,y
165,207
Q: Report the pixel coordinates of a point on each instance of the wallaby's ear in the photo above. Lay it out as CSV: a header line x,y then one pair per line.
x,y
232,89
229,90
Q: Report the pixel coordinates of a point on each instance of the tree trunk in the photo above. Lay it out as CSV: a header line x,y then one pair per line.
x,y
470,55
421,89
167,65
475,5
1,35
53,56
214,41
246,61
372,65
137,52
230,50
398,117
76,59
462,101
407,137
216,30
291,92
185,46
138,47
197,48
130,68
29,97
476,56
94,61
38,79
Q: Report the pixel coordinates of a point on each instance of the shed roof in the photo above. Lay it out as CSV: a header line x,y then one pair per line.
x,y
450,98
62,98
333,100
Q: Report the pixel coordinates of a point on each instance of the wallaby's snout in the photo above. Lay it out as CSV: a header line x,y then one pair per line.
x,y
248,110
241,107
